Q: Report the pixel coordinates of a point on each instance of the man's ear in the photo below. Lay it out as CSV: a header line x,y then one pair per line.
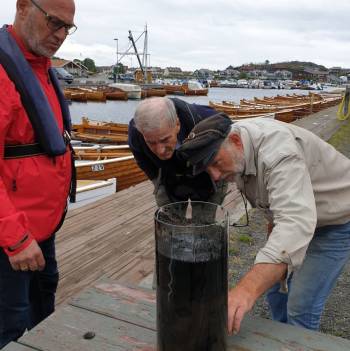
x,y
22,7
178,125
235,139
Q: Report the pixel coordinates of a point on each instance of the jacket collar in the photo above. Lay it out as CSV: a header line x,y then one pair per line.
x,y
249,155
39,61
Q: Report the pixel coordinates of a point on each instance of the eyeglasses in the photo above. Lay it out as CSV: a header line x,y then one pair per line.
x,y
55,23
245,202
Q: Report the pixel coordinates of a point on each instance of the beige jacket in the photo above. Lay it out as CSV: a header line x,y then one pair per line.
x,y
301,181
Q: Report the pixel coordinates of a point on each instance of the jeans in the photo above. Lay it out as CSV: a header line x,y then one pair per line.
x,y
310,286
26,298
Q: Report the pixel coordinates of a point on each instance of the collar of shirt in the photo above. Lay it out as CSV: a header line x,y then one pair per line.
x,y
34,60
248,149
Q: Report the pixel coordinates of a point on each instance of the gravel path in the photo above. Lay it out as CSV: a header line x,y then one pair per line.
x,y
245,243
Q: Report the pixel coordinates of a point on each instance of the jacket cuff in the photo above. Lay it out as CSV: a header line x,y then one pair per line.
x,y
20,248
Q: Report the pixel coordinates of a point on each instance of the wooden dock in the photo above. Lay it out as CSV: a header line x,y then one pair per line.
x,y
111,238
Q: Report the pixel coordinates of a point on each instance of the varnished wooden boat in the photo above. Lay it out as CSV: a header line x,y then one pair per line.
x,y
145,93
173,89
101,152
75,95
84,94
194,88
100,132
286,109
124,169
113,93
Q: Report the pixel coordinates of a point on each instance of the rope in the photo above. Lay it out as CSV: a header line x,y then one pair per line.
x,y
344,107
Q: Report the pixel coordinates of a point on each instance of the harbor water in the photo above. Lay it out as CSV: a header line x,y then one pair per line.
x,y
123,111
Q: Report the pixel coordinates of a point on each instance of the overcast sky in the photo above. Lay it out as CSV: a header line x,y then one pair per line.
x,y
213,34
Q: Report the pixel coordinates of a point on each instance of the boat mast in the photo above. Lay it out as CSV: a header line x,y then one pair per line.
x,y
145,54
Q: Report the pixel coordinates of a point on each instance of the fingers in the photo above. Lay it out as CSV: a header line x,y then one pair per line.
x,y
15,266
232,310
40,262
235,318
33,265
238,306
238,320
23,267
30,258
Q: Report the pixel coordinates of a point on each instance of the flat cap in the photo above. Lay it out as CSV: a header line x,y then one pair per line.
x,y
204,141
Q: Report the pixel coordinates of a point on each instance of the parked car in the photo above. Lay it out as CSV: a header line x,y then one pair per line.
x,y
62,74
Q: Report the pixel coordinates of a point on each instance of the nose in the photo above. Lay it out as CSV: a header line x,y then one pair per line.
x,y
61,33
160,149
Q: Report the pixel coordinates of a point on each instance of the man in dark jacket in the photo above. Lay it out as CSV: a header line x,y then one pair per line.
x,y
156,131
35,162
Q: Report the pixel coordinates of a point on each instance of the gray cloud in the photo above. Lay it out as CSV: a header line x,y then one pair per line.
x,y
211,34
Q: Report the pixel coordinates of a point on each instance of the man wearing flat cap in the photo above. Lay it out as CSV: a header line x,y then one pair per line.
x,y
303,186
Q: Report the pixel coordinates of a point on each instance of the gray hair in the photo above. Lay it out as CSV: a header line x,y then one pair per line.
x,y
151,112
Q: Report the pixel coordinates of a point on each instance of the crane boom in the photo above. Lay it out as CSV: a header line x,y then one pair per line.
x,y
135,48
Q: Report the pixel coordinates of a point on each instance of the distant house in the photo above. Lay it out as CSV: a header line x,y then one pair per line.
x,y
315,74
73,67
336,71
283,74
230,72
257,73
157,72
174,72
203,73
104,69
309,73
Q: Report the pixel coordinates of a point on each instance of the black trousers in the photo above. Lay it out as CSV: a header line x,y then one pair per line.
x,y
26,298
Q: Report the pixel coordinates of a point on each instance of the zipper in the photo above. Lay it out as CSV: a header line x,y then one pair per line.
x,y
14,180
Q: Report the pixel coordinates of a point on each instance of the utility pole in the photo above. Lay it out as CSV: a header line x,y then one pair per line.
x,y
117,52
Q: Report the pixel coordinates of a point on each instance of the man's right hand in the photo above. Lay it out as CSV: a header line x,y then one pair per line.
x,y
31,258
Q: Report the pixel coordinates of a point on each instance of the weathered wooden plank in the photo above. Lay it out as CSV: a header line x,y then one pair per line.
x,y
137,306
65,330
123,318
15,346
260,334
128,303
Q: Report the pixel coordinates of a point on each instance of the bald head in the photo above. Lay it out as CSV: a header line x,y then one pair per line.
x,y
152,113
43,35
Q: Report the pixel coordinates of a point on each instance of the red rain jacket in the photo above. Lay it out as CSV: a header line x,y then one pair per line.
x,y
33,190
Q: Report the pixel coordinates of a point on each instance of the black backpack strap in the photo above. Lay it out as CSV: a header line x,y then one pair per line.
x,y
25,150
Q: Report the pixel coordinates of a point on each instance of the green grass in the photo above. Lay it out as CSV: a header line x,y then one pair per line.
x,y
246,239
341,137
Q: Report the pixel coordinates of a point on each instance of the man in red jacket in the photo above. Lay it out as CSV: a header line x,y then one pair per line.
x,y
34,183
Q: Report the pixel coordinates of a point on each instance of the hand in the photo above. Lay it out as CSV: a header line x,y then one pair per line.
x,y
242,298
240,301
31,258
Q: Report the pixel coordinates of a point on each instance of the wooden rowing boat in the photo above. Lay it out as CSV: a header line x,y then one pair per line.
x,y
100,132
124,169
285,109
145,93
101,152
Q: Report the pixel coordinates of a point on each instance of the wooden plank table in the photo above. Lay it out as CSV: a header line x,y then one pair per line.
x,y
123,318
